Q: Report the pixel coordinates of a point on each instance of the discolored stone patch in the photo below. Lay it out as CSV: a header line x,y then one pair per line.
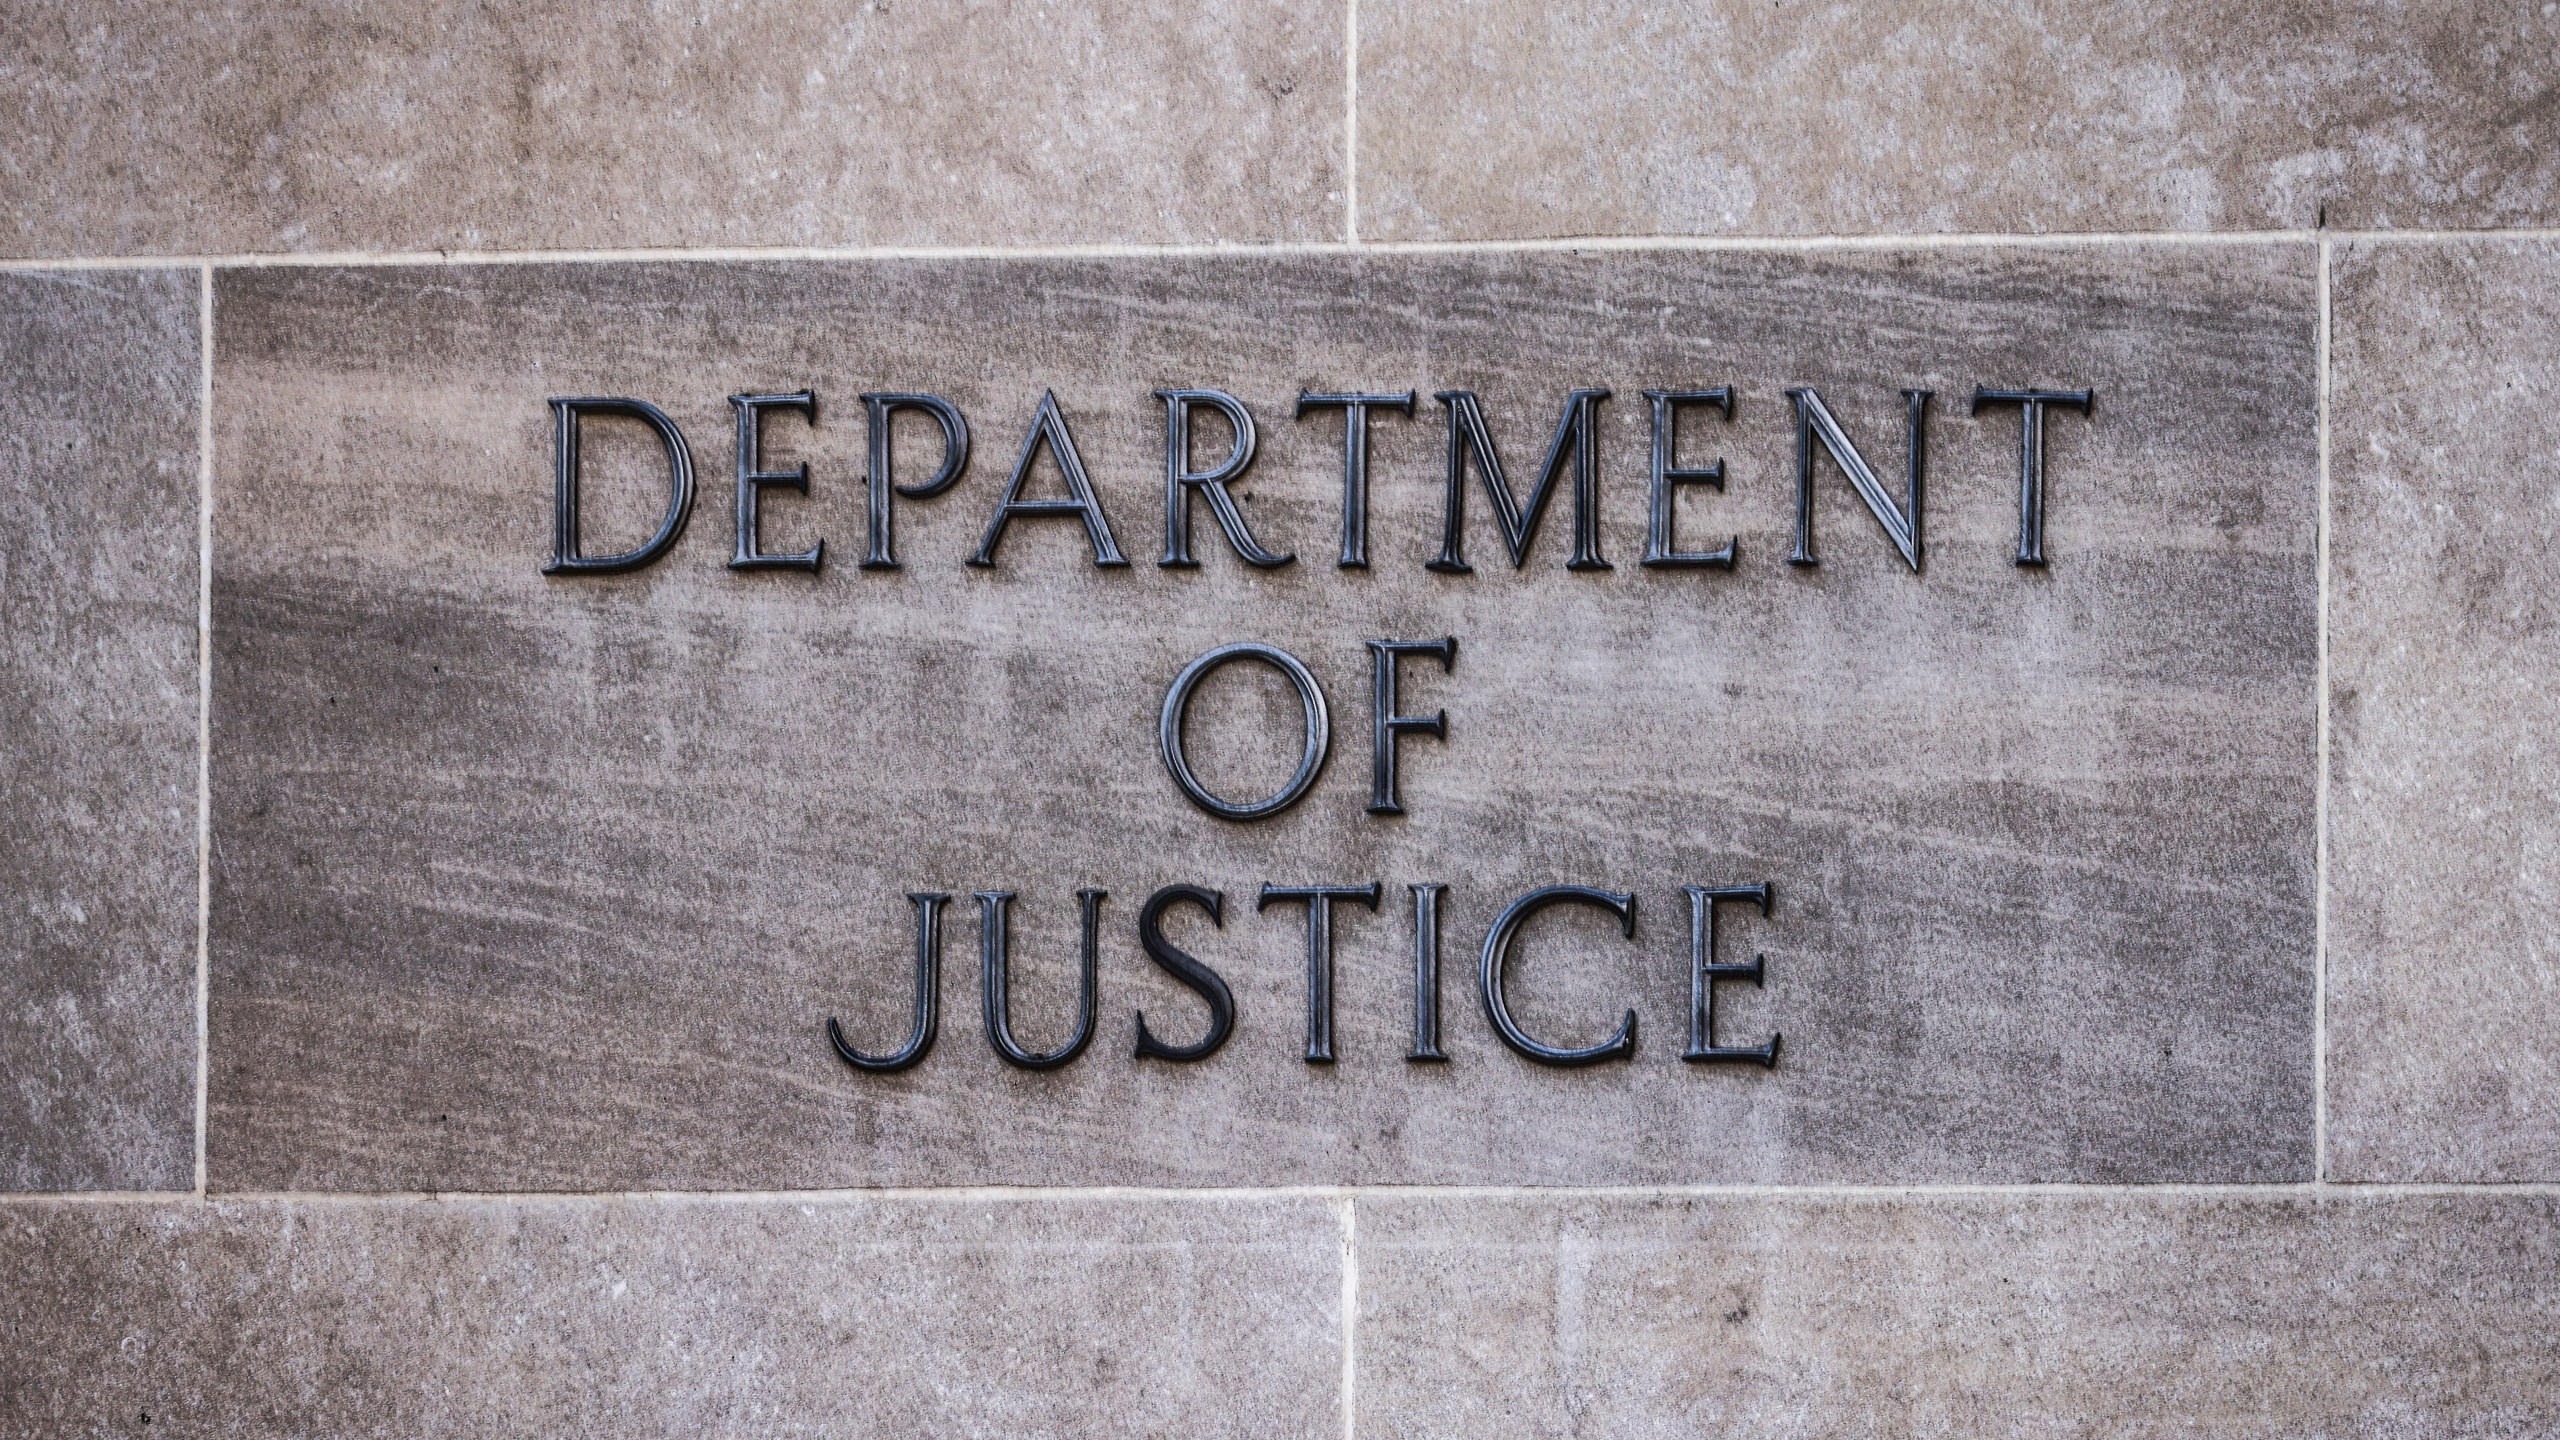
x,y
468,125
2018,1314
99,377
820,1316
2445,454
1518,120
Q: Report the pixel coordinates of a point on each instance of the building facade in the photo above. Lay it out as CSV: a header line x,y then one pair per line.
x,y
1379,719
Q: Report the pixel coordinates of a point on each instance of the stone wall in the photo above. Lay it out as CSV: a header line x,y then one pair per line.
x,y
414,966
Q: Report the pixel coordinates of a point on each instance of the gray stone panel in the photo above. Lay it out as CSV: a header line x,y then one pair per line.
x,y
467,125
1961,1315
1519,119
668,1317
99,378
528,883
2444,996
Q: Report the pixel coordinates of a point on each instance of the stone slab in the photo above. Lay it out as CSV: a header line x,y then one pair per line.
x,y
2444,993
1520,120
671,1317
466,125
100,374
549,883
2048,1314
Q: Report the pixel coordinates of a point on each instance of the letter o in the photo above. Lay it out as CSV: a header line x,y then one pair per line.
x,y
1177,703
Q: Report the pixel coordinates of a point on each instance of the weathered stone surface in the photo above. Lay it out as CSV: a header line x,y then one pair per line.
x,y
2444,996
457,124
1619,117
1961,1315
649,1317
534,883
99,374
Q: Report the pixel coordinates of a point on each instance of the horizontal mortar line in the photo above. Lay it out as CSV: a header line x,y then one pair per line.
x,y
1597,243
97,1197
2294,1189
1175,250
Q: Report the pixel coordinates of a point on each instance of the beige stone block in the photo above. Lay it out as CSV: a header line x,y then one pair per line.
x,y
2444,994
2120,1314
1516,119
460,125
815,1316
551,883
99,678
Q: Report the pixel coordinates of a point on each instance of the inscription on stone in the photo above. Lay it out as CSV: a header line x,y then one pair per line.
x,y
1470,447
1950,827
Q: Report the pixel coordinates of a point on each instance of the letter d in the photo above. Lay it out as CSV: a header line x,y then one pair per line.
x,y
566,411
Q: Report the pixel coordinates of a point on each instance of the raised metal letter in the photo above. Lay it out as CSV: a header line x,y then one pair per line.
x,y
1202,980
1497,959
1669,475
1901,526
881,481
995,950
2031,404
928,996
1426,972
566,412
1355,462
1390,726
753,477
1704,972
1575,433
1319,900
1177,706
1050,428
1180,480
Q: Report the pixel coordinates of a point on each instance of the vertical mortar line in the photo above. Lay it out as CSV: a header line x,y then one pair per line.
x,y
1350,1319
1351,122
2320,792
204,703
